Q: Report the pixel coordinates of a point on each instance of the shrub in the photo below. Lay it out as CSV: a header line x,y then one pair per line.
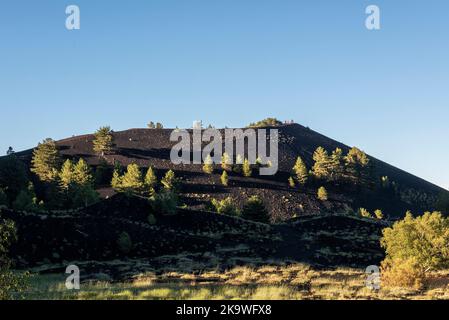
x,y
225,206
124,243
364,213
255,210
403,273
415,246
378,214
3,198
102,173
322,194
11,283
291,182
77,183
443,202
26,200
224,179
268,122
165,202
151,125
152,219
13,177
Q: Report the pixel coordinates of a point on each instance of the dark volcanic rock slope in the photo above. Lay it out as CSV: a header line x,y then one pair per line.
x,y
94,232
151,147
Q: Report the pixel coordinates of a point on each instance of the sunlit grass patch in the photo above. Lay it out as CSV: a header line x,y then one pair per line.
x,y
282,282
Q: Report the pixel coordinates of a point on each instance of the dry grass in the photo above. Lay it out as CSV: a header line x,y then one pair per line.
x,y
291,282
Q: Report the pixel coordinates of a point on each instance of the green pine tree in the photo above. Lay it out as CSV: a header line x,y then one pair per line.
x,y
255,210
46,161
103,141
82,174
226,163
246,168
85,193
150,180
169,181
291,182
357,166
26,200
321,168
66,175
132,181
224,178
336,165
301,172
13,176
322,194
208,166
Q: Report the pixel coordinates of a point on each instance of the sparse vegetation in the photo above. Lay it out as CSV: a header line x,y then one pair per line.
x,y
268,122
152,125
267,282
154,219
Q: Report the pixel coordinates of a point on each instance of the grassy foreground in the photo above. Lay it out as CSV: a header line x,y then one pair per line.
x,y
292,282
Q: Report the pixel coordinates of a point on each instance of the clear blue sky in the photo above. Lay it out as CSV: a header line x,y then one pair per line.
x,y
229,63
